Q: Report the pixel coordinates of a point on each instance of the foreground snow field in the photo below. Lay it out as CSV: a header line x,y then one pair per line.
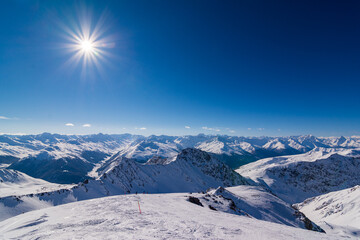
x,y
163,216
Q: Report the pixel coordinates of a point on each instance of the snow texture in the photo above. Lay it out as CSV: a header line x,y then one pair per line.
x,y
163,216
298,177
336,212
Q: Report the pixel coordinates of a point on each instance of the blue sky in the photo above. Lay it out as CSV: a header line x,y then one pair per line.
x,y
219,67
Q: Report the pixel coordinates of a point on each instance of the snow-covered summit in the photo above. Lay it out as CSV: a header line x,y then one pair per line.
x,y
190,170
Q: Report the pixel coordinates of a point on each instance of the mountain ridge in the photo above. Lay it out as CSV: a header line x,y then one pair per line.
x,y
298,177
70,158
182,174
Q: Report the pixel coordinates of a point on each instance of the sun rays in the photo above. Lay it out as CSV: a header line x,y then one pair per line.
x,y
87,42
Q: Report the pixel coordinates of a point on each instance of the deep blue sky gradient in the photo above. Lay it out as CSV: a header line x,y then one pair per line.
x,y
242,67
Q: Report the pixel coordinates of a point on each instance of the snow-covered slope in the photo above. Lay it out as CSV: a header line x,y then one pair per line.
x,y
295,178
14,183
255,202
192,170
336,212
163,216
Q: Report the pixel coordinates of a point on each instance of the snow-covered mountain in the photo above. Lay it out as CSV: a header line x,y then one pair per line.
x,y
277,181
323,182
70,158
190,171
163,216
337,212
59,158
295,178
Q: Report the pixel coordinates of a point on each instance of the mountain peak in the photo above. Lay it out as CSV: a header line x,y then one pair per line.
x,y
193,155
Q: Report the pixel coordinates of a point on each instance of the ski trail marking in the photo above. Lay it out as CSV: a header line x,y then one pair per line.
x,y
139,207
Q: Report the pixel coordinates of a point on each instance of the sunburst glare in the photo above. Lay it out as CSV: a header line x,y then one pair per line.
x,y
87,46
87,41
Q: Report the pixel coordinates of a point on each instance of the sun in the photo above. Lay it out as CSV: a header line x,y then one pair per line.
x,y
87,46
88,42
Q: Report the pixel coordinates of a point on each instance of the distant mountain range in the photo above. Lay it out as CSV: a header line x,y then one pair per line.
x,y
74,158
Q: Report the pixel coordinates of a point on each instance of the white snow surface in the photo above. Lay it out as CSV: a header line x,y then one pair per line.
x,y
163,216
274,144
254,202
336,212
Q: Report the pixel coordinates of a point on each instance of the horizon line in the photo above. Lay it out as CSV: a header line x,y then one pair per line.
x,y
214,135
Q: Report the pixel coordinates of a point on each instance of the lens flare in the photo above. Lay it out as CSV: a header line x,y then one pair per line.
x,y
87,41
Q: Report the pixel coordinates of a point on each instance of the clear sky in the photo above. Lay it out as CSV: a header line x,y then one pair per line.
x,y
181,67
